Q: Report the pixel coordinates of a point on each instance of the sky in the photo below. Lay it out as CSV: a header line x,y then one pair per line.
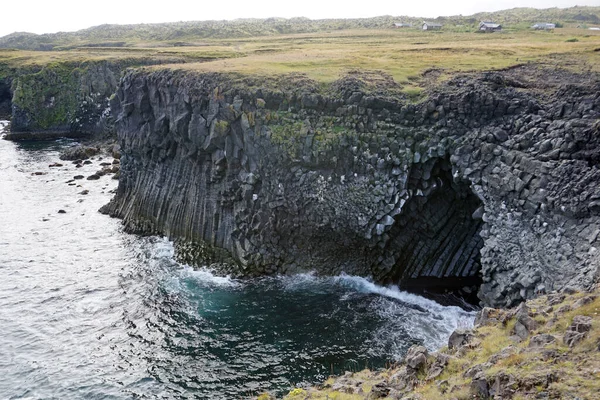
x,y
49,16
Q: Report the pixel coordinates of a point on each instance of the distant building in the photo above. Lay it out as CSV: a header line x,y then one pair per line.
x,y
431,26
487,26
402,25
543,26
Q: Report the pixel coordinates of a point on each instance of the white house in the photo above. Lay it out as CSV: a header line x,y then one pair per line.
x,y
431,26
487,26
543,26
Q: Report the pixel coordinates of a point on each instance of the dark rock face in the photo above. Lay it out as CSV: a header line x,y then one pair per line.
x,y
5,99
63,100
481,182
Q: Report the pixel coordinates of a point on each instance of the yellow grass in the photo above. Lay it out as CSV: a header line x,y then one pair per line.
x,y
324,57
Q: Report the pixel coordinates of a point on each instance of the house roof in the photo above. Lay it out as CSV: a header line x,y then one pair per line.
x,y
431,23
489,25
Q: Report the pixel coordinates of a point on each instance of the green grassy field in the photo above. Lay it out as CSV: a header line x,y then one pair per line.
x,y
403,54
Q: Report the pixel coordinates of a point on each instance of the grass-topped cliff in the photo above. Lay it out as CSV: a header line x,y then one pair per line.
x,y
322,50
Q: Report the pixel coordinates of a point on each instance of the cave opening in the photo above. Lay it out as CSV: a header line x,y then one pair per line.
x,y
5,99
434,246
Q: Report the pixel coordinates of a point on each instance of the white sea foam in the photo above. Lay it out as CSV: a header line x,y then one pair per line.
x,y
404,314
420,318
207,277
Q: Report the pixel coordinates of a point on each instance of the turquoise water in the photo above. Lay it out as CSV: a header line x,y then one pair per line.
x,y
90,312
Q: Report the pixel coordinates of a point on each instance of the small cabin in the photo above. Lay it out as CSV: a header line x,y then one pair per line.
x,y
431,26
402,25
543,26
487,26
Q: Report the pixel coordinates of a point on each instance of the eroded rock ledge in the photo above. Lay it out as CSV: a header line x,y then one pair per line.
x,y
492,181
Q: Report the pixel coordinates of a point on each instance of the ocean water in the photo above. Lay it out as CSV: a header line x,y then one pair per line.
x,y
90,312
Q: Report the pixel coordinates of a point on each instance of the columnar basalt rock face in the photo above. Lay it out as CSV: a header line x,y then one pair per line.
x,y
492,178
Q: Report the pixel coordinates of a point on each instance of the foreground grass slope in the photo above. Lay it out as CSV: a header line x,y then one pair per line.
x,y
548,348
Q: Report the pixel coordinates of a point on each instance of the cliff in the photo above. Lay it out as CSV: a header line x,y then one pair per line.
x,y
489,185
61,99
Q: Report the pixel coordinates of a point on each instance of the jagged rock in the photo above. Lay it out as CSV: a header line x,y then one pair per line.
x,y
379,390
583,301
502,385
79,153
460,338
489,316
479,386
541,340
416,357
578,330
437,367
524,324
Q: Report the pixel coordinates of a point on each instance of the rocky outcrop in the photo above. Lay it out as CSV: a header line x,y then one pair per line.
x,y
63,100
491,181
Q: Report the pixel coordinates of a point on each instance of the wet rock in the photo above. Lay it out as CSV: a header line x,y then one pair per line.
x,y
87,162
79,153
93,177
55,165
578,330
78,177
62,212
84,192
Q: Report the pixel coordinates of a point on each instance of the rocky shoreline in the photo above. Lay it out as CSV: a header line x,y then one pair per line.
x,y
547,348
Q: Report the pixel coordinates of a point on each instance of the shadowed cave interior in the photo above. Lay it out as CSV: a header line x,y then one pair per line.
x,y
435,243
